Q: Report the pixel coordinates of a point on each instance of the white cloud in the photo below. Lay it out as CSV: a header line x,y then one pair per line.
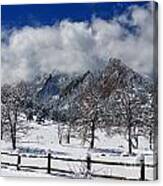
x,y
78,46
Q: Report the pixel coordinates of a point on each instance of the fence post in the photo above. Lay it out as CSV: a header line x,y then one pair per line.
x,y
49,163
88,165
142,168
18,162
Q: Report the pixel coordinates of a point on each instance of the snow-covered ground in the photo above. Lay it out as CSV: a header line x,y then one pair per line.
x,y
42,139
14,173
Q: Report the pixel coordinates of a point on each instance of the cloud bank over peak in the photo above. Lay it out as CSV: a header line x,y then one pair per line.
x,y
78,46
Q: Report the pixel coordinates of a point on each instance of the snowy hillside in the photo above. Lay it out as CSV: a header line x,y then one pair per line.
x,y
42,139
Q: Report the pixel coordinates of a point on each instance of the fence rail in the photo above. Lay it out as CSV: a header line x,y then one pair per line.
x,y
88,162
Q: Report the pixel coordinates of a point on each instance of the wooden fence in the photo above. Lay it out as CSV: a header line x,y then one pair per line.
x,y
89,161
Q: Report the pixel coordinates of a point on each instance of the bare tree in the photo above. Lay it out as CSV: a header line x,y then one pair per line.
x,y
131,113
13,98
88,111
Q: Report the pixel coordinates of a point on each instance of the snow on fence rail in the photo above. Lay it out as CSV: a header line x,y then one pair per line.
x,y
88,161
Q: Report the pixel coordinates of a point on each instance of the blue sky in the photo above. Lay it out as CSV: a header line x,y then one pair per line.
x,y
75,38
48,14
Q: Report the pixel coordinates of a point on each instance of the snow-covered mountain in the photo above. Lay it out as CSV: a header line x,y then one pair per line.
x,y
115,75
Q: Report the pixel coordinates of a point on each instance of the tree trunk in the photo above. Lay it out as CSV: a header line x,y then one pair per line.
x,y
1,133
13,137
92,135
14,128
150,140
68,136
69,133
137,142
14,142
129,140
60,140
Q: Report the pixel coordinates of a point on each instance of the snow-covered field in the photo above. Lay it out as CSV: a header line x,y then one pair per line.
x,y
42,139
